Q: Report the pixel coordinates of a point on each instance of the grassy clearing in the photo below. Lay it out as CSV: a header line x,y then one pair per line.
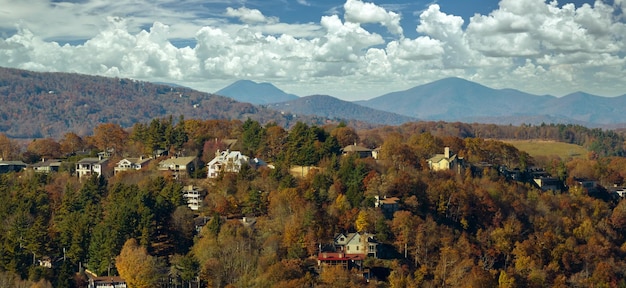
x,y
536,148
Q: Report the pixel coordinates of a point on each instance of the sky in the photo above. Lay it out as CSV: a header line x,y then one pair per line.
x,y
352,49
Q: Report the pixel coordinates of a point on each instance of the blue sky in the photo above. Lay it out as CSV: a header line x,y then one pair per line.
x,y
352,49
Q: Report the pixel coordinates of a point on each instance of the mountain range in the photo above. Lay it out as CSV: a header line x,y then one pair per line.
x,y
455,99
42,104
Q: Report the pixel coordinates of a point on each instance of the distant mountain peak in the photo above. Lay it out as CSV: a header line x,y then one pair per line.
x,y
255,93
457,99
333,108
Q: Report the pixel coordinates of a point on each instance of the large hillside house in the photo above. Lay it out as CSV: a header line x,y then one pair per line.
x,y
179,166
194,197
91,165
130,164
361,151
445,161
356,243
351,249
226,161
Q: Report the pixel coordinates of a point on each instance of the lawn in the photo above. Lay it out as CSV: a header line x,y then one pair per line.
x,y
549,148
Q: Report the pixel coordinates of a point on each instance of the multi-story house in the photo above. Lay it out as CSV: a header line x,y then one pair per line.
x,y
194,197
179,166
226,161
91,165
357,243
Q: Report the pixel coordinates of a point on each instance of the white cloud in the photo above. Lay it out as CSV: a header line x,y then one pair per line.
x,y
304,2
362,12
529,45
250,16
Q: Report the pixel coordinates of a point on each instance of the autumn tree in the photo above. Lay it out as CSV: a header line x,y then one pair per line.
x,y
47,148
138,268
398,153
109,135
275,137
9,149
71,143
345,135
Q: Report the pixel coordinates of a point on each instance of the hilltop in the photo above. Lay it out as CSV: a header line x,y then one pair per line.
x,y
36,104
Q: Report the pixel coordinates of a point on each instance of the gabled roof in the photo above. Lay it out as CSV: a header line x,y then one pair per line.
x,y
47,163
389,200
439,157
92,160
138,161
177,161
14,163
226,156
338,239
352,238
355,148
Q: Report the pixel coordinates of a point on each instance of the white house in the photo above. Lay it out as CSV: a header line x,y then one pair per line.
x,y
356,243
88,166
127,164
226,161
194,196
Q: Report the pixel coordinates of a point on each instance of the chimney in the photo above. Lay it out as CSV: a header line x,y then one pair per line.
x,y
447,152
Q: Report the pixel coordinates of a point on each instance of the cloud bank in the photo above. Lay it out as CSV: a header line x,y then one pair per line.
x,y
530,45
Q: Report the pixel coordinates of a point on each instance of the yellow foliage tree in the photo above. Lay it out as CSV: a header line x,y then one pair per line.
x,y
138,268
505,281
361,222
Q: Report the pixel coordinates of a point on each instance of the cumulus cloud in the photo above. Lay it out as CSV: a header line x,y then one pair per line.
x,y
530,45
362,12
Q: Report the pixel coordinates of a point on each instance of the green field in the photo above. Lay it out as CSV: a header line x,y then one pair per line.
x,y
549,148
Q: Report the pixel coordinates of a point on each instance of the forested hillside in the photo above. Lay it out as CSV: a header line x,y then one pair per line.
x,y
39,105
476,228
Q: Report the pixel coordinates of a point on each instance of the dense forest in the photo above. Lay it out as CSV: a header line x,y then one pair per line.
x,y
451,229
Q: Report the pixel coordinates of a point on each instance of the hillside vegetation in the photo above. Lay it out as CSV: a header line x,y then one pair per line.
x,y
39,105
476,228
